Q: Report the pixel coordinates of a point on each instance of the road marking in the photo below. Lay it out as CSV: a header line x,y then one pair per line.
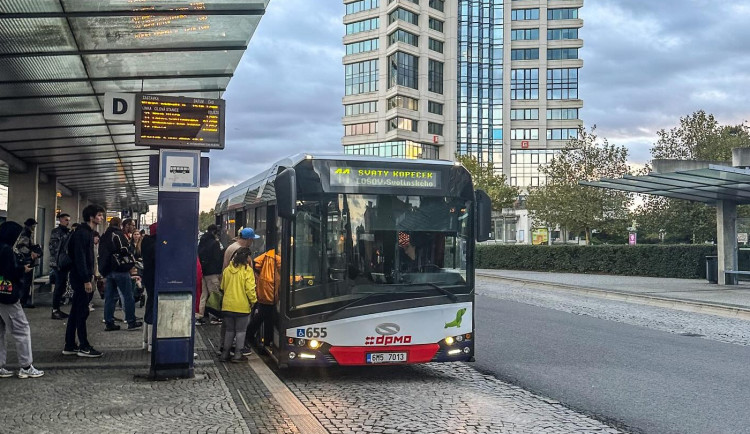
x,y
649,300
300,415
243,400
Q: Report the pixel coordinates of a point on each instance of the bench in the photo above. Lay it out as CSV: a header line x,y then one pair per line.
x,y
734,276
39,283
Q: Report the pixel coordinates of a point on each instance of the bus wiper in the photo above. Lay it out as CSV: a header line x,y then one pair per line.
x,y
327,315
451,296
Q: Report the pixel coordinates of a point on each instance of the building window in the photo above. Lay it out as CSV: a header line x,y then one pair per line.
x,y
562,133
400,101
403,70
362,46
559,34
524,114
437,5
435,76
362,26
434,107
403,15
360,129
401,149
361,5
562,53
360,108
401,123
562,114
525,164
524,54
562,83
524,14
403,36
562,14
524,134
435,45
436,24
524,35
361,77
524,83
434,128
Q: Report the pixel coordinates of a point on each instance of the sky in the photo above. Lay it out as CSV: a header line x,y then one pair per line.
x,y
646,64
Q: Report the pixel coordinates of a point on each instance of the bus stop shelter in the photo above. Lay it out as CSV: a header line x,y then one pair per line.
x,y
58,58
714,183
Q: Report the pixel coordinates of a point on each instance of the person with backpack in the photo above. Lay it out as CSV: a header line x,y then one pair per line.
x,y
58,252
23,246
12,315
115,262
268,279
211,260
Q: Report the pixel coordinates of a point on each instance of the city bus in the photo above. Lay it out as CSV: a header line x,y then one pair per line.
x,y
377,257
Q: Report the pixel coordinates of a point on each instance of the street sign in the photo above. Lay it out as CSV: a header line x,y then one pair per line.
x,y
524,144
119,106
179,170
179,122
632,238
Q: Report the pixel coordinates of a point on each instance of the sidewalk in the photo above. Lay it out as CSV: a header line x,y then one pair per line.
x,y
682,294
112,394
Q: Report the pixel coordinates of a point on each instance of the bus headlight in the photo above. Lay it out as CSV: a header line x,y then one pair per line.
x,y
314,344
449,340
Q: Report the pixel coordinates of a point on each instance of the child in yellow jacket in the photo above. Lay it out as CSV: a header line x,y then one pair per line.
x,y
238,285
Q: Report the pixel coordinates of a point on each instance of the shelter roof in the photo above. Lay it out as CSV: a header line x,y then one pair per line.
x,y
708,184
59,57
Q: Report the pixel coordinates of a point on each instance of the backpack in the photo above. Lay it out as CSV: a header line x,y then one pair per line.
x,y
64,259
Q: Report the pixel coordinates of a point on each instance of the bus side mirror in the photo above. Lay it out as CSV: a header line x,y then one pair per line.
x,y
286,193
484,215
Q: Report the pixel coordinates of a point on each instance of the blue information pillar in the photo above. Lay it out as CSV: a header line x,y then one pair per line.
x,y
176,255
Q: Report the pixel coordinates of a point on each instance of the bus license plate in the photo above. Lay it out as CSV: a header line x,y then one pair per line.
x,y
386,357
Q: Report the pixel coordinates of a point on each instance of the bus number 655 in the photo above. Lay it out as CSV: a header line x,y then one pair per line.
x,y
316,332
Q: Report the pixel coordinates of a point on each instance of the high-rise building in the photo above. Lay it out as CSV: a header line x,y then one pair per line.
x,y
496,79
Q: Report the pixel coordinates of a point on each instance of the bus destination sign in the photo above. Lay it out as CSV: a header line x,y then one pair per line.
x,y
384,177
179,122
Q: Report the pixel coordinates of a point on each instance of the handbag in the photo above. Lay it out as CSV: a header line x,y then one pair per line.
x,y
213,304
122,259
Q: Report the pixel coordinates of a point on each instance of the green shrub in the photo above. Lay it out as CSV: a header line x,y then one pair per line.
x,y
681,261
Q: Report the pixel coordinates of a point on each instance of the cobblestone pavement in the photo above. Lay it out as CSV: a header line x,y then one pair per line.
x,y
431,398
734,331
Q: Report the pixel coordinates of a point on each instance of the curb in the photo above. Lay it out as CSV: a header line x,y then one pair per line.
x,y
723,310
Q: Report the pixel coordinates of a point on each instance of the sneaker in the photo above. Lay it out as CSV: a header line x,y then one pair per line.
x,y
4,373
111,327
239,359
57,314
135,326
215,321
70,351
200,322
89,352
115,318
31,372
246,351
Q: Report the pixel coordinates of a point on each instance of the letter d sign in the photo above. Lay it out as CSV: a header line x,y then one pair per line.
x,y
119,107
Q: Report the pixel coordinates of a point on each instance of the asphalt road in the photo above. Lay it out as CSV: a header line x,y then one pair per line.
x,y
638,379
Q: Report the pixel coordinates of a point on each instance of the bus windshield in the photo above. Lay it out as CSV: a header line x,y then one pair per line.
x,y
346,246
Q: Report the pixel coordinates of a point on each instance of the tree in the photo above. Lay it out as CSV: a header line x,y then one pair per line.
x,y
485,178
698,137
563,201
205,219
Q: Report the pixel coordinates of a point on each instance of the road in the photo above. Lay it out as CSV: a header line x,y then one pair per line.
x,y
636,378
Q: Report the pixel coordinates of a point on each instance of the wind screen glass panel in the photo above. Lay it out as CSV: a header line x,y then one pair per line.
x,y
20,6
128,5
209,62
40,68
47,105
44,89
386,247
150,31
156,85
23,35
62,131
57,120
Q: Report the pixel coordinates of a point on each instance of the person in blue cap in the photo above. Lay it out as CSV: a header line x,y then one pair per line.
x,y
245,239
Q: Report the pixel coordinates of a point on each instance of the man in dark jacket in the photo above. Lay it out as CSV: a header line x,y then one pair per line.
x,y
211,259
56,239
118,281
23,246
81,249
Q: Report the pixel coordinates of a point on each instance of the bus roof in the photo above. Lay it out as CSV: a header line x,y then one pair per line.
x,y
235,196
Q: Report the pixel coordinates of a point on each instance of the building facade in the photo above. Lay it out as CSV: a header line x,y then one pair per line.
x,y
496,79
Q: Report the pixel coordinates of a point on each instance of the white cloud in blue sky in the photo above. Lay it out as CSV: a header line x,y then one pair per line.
x,y
646,63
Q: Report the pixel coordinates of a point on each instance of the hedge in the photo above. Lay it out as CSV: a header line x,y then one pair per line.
x,y
680,261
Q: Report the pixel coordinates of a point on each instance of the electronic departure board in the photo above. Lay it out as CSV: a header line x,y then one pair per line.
x,y
179,122
383,177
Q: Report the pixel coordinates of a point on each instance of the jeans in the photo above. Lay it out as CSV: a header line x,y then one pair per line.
x,y
79,313
119,281
26,281
61,282
12,317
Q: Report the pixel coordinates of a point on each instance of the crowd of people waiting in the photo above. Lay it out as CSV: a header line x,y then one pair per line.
x,y
120,264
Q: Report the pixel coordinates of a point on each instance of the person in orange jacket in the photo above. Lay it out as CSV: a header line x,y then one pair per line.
x,y
268,279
